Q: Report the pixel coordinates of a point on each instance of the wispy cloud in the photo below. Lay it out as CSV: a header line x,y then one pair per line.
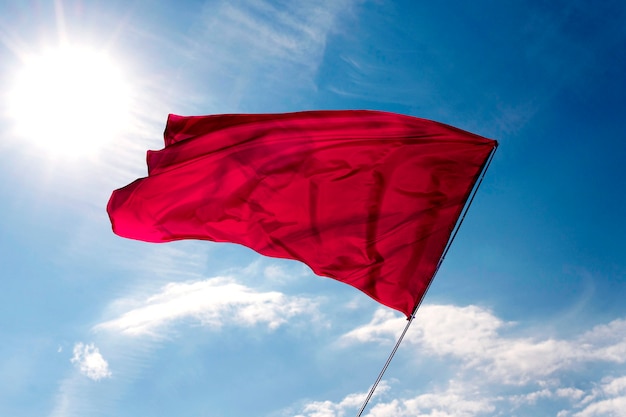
x,y
90,362
260,52
290,31
212,302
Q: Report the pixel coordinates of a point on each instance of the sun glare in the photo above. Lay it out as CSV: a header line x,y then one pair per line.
x,y
69,101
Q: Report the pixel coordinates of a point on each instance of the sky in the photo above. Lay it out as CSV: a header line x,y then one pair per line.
x,y
526,317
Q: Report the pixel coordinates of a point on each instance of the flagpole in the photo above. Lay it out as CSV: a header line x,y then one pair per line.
x,y
382,372
445,252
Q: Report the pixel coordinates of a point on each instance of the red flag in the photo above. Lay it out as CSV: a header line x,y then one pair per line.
x,y
368,198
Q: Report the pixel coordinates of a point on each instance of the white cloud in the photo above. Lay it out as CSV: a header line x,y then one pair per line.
x,y
276,273
606,342
464,398
603,408
211,302
453,401
449,403
572,393
615,386
473,335
461,399
90,362
608,398
496,371
337,409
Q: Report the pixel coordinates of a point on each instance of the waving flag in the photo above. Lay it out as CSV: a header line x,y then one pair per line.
x,y
368,198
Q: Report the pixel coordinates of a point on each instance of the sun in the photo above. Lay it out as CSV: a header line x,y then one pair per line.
x,y
69,101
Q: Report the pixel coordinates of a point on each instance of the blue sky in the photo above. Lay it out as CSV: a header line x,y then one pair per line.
x,y
525,318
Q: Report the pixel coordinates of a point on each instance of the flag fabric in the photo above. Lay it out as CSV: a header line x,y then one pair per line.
x,y
365,197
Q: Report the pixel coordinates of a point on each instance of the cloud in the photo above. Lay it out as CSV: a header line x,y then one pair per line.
x,y
212,303
458,398
295,32
473,335
263,49
90,362
453,401
332,409
606,399
276,273
495,371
